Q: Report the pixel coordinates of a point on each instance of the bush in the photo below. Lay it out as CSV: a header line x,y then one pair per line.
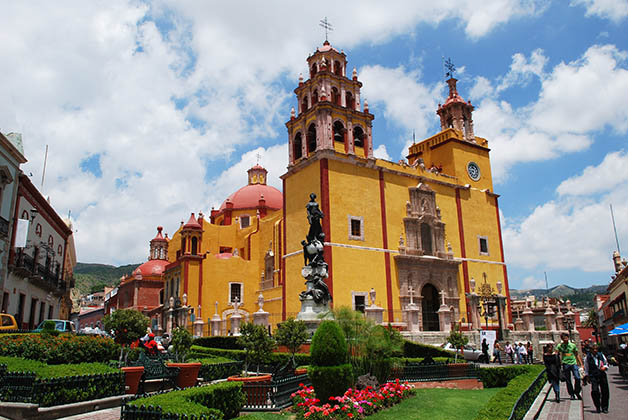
x,y
330,381
273,358
226,397
127,325
329,346
257,344
65,348
412,349
501,404
219,342
38,383
212,369
292,334
181,343
499,377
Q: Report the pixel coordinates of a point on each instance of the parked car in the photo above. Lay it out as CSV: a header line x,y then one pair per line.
x,y
62,325
469,352
7,322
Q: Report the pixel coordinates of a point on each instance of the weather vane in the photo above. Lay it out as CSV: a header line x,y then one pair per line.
x,y
328,27
450,68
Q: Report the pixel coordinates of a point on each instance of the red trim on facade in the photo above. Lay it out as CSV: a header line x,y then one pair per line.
x,y
324,170
185,276
283,260
32,194
463,252
501,249
200,283
248,255
382,203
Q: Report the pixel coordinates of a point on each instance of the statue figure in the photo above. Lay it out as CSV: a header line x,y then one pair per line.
x,y
372,296
314,216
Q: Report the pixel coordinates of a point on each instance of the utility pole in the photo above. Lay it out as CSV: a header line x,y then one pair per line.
x,y
615,229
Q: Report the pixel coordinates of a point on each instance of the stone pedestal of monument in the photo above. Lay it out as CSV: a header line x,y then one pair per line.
x,y
375,314
261,318
312,313
550,323
444,318
236,320
412,317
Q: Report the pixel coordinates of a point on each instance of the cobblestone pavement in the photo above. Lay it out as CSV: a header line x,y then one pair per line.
x,y
567,409
108,414
618,403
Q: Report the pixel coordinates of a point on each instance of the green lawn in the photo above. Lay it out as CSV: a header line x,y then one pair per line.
x,y
429,404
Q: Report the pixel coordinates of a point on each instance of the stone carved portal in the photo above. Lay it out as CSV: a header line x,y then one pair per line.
x,y
423,264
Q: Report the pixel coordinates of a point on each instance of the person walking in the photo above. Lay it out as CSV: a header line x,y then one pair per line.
x,y
497,352
524,353
518,353
485,351
552,368
510,352
571,361
530,349
595,367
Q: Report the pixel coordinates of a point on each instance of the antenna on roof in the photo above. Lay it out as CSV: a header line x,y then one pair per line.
x,y
615,229
413,139
324,23
43,174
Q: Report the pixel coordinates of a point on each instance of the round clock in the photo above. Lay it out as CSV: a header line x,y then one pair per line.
x,y
473,170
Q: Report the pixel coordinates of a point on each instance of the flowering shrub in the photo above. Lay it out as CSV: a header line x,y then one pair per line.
x,y
352,405
65,348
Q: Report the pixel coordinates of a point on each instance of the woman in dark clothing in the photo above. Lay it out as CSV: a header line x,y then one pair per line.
x,y
552,366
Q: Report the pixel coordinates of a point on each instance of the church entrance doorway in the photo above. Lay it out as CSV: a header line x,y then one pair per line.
x,y
430,308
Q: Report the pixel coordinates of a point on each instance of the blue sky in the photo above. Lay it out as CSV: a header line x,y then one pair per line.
x,y
155,109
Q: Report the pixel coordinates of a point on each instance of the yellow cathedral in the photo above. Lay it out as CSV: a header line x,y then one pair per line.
x,y
411,241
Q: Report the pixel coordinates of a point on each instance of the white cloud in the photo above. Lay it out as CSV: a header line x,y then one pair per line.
x,y
522,69
572,231
607,176
381,152
615,10
403,99
531,282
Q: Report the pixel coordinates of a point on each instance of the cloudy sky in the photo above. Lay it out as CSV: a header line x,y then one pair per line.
x,y
152,110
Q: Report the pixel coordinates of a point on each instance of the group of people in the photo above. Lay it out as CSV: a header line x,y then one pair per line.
x,y
519,353
151,346
564,361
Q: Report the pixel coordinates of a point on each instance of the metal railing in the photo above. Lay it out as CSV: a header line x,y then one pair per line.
x,y
272,395
528,396
416,372
131,412
4,227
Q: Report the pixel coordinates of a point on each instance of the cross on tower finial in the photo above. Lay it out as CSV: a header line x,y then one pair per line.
x,y
258,156
450,68
324,23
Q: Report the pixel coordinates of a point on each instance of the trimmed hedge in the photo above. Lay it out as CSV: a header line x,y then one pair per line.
x,y
226,397
51,385
329,346
499,377
412,349
330,381
219,342
219,368
501,404
42,370
66,348
198,352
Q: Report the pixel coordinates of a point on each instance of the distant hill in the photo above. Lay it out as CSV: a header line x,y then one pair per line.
x,y
92,278
581,298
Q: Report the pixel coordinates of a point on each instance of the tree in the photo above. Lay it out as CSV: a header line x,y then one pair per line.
x,y
292,334
457,339
257,344
181,343
592,321
126,326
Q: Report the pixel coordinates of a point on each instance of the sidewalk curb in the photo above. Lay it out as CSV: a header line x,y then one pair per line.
x,y
537,406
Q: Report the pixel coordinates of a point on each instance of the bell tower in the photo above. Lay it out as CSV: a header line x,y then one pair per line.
x,y
456,113
328,114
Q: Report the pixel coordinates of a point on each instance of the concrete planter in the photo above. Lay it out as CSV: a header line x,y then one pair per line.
x,y
188,373
132,376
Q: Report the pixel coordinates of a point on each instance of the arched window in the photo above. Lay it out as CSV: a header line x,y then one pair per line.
x,y
297,146
313,70
337,68
426,238
311,138
194,245
358,136
315,96
335,96
182,245
38,230
304,105
51,241
25,215
450,123
339,132
59,250
349,100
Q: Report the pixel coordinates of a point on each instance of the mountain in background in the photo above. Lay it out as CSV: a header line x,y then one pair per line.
x,y
91,278
580,298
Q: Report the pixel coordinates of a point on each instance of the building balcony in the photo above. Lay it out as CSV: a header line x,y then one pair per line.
x,y
24,265
4,227
47,280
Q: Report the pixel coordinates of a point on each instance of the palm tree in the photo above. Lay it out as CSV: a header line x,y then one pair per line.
x,y
592,322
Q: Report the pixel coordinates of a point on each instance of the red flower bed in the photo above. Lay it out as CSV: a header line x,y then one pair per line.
x,y
352,405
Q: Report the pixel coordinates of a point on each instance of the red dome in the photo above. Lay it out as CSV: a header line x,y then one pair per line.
x,y
151,268
248,197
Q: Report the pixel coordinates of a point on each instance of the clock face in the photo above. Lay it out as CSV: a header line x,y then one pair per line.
x,y
473,170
